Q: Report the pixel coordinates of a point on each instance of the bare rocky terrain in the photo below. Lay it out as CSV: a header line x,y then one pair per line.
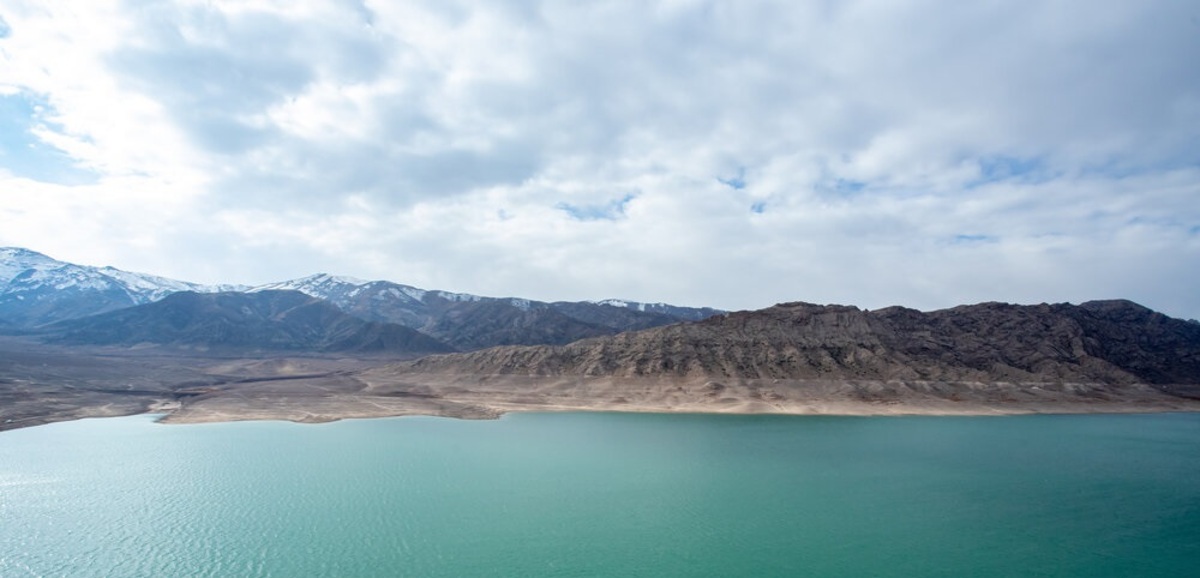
x,y
1104,342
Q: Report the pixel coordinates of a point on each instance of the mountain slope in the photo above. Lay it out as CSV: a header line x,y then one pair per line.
x,y
473,322
266,320
471,325
36,290
1114,342
673,311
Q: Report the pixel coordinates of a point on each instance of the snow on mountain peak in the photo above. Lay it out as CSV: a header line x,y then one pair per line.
x,y
612,302
312,283
15,260
340,279
322,286
617,303
21,253
25,271
413,292
457,297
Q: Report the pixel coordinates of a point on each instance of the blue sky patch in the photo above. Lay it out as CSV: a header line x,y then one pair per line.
x,y
758,208
737,182
998,168
839,186
848,186
25,155
5,30
965,239
1123,168
610,211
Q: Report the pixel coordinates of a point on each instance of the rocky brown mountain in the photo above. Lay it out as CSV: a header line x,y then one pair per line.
x,y
1108,342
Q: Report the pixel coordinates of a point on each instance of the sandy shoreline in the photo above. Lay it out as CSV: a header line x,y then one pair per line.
x,y
488,397
840,411
828,411
326,410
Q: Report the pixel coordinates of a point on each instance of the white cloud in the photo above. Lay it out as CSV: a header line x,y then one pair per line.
x,y
926,153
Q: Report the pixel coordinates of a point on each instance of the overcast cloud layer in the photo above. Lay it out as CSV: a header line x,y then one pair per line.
x,y
723,153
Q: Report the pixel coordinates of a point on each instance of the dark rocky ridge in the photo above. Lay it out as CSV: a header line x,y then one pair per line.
x,y
244,322
618,319
1107,342
482,324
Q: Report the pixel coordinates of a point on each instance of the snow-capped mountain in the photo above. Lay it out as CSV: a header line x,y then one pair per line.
x,y
345,289
383,301
36,290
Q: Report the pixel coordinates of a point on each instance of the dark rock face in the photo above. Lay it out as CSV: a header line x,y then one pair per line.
x,y
618,319
1112,342
267,320
1148,344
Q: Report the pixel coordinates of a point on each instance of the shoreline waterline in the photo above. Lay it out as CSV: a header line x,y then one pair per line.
x,y
174,417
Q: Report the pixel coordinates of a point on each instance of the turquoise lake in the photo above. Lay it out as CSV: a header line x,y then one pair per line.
x,y
582,494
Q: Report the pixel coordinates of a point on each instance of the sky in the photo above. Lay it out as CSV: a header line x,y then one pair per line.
x,y
723,153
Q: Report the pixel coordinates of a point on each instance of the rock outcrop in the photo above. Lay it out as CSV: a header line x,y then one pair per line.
x,y
1106,342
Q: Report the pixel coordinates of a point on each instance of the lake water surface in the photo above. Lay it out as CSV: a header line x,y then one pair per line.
x,y
606,495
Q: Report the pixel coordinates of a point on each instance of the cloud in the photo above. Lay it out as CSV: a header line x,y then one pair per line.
x,y
708,152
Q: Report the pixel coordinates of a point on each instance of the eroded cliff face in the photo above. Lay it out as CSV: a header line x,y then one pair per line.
x,y
1108,342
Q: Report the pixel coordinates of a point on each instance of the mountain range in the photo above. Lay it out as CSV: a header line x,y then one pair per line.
x,y
325,347
41,294
469,322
